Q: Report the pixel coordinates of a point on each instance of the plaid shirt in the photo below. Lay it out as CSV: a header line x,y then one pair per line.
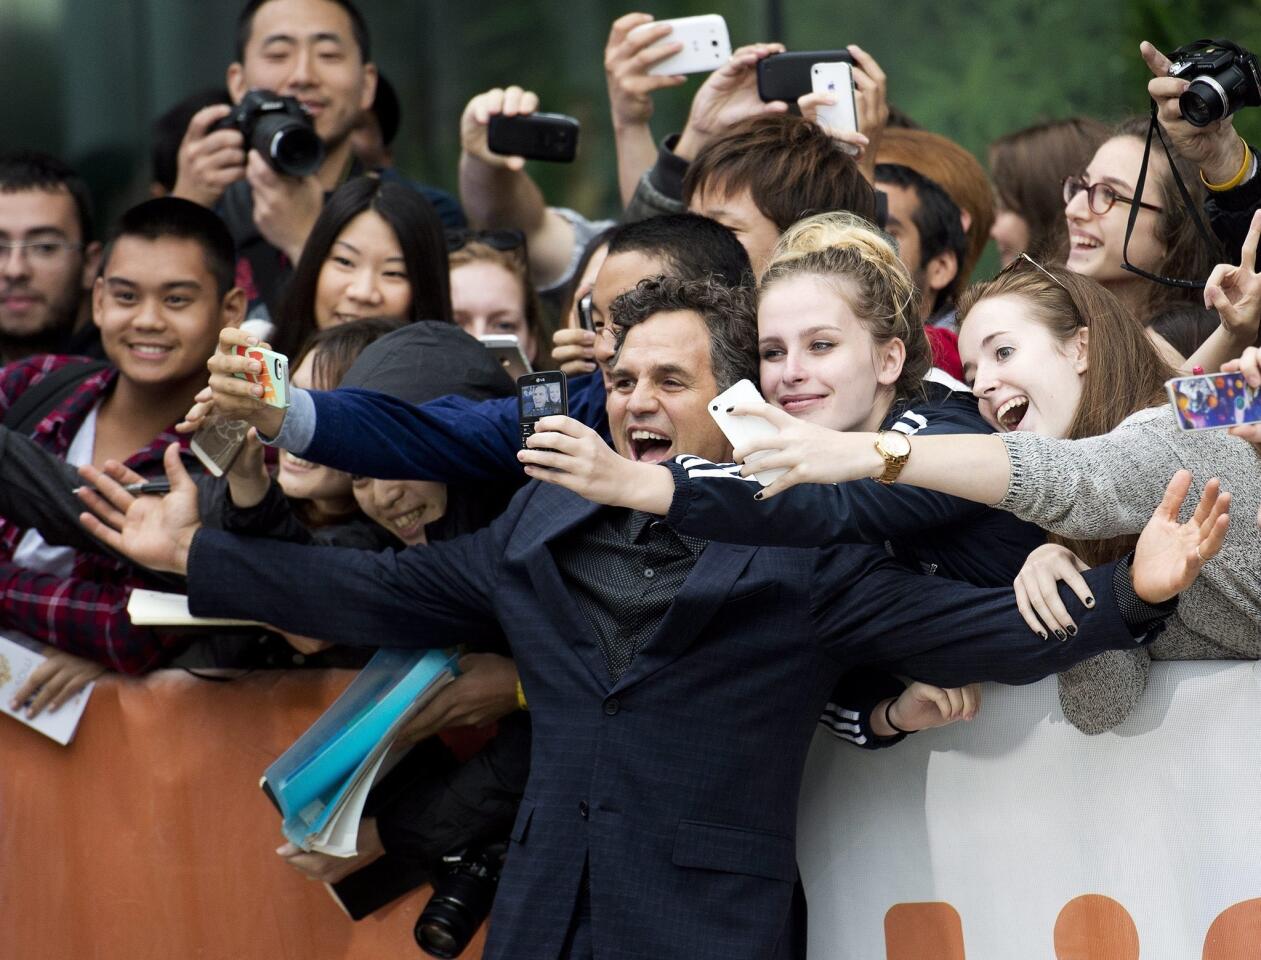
x,y
86,613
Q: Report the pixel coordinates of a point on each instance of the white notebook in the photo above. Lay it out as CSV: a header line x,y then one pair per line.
x,y
17,660
153,608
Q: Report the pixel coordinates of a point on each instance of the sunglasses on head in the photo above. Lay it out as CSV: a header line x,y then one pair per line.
x,y
496,239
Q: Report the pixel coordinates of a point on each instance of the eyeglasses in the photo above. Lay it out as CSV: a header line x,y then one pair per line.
x,y
39,251
1099,196
497,239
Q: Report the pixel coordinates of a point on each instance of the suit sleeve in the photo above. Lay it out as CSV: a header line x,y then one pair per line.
x,y
868,609
449,440
428,596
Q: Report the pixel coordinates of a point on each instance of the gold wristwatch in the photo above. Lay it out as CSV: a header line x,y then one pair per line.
x,y
895,449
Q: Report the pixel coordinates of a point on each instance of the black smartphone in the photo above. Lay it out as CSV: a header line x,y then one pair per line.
x,y
543,394
786,76
539,136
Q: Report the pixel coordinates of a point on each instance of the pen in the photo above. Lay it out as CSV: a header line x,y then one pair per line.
x,y
149,486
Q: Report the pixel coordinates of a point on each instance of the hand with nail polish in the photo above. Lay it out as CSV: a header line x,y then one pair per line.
x,y
1038,594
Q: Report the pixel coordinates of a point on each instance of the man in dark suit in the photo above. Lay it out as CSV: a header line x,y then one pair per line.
x,y
673,684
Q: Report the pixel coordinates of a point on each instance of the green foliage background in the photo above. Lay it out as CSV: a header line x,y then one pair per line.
x,y
84,76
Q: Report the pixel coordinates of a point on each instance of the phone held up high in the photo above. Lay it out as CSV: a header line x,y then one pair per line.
x,y
537,136
837,80
786,76
506,348
274,378
1213,401
542,394
705,40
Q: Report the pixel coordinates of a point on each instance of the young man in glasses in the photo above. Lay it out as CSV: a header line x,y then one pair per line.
x,y
48,258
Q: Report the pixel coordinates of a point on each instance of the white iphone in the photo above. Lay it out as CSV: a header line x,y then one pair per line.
x,y
706,44
742,431
836,79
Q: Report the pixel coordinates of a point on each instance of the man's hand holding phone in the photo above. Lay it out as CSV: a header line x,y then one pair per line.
x,y
228,395
572,455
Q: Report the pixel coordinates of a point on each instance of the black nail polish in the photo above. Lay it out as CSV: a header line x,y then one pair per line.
x,y
1061,634
1042,634
1090,601
758,495
1072,630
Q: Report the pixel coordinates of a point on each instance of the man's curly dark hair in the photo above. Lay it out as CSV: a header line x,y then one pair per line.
x,y
730,316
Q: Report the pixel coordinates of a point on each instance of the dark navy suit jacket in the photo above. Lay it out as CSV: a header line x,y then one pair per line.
x,y
677,784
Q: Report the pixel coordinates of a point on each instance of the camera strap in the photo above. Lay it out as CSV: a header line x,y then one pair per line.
x,y
1154,130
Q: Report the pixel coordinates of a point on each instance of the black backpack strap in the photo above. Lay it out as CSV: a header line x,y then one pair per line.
x,y
38,401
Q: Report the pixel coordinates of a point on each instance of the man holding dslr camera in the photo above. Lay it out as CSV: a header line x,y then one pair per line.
x,y
318,53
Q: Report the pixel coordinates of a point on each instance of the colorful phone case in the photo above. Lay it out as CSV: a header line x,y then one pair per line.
x,y
274,378
1213,401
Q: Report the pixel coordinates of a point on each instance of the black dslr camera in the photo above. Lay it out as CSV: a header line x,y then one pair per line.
x,y
461,900
1224,77
278,128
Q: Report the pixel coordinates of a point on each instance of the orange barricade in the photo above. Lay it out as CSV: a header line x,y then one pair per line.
x,y
148,837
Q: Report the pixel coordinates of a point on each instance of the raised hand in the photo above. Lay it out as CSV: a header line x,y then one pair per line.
x,y
1249,364
1217,149
1235,292
627,61
727,96
285,207
1169,554
810,453
155,532
209,161
572,455
510,102
229,396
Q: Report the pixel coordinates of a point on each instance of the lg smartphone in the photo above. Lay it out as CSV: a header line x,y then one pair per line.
x,y
274,378
837,80
506,348
1213,401
217,442
786,76
537,136
706,44
742,431
543,394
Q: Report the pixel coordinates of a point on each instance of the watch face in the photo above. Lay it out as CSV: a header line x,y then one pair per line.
x,y
895,444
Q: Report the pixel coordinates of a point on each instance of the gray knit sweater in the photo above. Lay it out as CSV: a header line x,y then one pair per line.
x,y
1108,486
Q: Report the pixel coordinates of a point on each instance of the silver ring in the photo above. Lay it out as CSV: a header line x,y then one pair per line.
x,y
1200,555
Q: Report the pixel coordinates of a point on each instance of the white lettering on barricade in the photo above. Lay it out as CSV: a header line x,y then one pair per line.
x,y
1016,835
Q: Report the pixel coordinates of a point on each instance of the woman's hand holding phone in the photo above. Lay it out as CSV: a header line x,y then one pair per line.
x,y
230,396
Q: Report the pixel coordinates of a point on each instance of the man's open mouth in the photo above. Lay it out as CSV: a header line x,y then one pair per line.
x,y
649,446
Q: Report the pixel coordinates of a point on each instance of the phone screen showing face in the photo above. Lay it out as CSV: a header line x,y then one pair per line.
x,y
541,395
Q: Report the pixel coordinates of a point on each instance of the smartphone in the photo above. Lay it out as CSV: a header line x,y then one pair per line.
x,y
217,442
538,136
742,431
1213,401
585,318
786,76
706,44
543,394
506,348
837,79
274,378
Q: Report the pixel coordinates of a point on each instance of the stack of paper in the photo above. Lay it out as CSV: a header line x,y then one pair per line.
x,y
320,783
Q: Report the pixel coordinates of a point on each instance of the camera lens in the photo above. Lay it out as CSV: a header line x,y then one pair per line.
x,y
296,151
437,940
1203,102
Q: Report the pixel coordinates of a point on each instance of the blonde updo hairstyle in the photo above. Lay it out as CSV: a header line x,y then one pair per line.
x,y
860,262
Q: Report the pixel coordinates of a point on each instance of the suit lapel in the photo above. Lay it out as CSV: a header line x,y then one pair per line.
x,y
703,592
567,514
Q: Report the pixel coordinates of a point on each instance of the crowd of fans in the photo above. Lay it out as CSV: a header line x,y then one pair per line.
x,y
982,477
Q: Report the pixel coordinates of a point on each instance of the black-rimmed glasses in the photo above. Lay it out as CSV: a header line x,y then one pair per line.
x,y
1100,197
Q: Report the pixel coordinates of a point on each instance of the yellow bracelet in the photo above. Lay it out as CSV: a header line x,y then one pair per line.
x,y
1238,178
521,704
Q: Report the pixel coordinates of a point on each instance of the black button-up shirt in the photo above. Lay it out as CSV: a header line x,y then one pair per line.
x,y
624,568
